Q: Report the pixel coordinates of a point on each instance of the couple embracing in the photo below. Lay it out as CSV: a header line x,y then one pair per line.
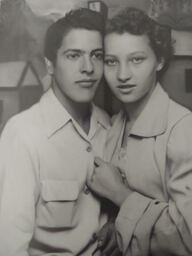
x,y
59,158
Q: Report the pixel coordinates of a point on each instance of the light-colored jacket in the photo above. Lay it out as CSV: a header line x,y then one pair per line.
x,y
45,206
156,219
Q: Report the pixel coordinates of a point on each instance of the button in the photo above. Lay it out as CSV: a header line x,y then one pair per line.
x,y
89,148
86,190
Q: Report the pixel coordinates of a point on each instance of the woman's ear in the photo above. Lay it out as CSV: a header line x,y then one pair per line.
x,y
160,64
49,66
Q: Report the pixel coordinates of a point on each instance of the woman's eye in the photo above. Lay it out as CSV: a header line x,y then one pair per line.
x,y
137,60
110,62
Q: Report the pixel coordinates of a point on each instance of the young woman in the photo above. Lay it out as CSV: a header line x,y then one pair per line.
x,y
149,176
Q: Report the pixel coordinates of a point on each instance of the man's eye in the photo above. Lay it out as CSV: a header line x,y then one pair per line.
x,y
98,56
73,56
137,60
110,62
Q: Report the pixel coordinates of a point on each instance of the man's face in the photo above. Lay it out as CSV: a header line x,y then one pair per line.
x,y
79,65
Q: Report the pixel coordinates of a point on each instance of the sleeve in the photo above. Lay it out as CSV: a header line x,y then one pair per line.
x,y
18,193
150,227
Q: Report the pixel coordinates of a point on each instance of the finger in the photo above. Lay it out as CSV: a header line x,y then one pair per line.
x,y
104,232
102,241
96,252
116,252
110,246
98,161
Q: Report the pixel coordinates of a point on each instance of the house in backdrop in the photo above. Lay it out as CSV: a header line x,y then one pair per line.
x,y
20,87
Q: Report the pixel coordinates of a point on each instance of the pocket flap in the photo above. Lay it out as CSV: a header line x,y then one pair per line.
x,y
53,190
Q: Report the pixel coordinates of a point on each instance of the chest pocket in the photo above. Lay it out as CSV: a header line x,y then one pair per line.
x,y
57,204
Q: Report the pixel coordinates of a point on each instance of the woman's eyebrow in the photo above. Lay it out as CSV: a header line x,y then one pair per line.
x,y
137,52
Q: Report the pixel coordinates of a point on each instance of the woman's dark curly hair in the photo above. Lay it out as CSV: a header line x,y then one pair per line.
x,y
136,22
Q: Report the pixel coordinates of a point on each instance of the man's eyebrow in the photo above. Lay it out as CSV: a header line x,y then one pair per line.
x,y
81,51
98,50
73,50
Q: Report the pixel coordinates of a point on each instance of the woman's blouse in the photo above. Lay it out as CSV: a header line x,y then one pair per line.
x,y
156,218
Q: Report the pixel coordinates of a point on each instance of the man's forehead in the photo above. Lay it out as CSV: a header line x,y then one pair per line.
x,y
79,38
79,30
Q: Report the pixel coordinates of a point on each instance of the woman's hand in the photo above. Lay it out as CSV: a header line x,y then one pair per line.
x,y
107,181
107,242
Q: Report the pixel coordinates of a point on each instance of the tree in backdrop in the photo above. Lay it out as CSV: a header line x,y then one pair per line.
x,y
22,33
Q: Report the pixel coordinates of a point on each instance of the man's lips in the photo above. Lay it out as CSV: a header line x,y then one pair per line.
x,y
86,83
126,88
122,86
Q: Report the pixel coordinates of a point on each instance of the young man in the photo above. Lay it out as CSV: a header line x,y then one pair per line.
x,y
47,151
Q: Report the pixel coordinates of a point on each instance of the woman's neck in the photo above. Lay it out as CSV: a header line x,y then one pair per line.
x,y
134,109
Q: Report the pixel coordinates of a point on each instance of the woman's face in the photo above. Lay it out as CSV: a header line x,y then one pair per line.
x,y
130,66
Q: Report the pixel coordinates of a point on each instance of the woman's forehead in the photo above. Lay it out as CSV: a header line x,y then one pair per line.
x,y
126,42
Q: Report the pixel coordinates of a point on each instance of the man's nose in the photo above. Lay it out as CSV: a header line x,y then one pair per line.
x,y
124,73
87,65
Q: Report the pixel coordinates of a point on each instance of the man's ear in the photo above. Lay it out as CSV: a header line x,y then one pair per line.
x,y
161,64
49,66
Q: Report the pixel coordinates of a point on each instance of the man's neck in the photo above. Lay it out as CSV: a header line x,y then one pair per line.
x,y
80,112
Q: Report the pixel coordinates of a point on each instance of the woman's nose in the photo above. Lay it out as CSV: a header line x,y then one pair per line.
x,y
124,73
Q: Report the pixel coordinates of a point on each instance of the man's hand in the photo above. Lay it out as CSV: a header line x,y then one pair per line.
x,y
109,182
107,243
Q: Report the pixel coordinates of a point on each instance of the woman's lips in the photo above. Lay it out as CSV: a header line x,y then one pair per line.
x,y
126,88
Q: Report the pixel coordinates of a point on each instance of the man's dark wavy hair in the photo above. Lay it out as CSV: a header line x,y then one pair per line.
x,y
136,22
76,19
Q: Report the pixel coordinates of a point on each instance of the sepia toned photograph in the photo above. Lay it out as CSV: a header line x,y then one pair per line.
x,y
95,127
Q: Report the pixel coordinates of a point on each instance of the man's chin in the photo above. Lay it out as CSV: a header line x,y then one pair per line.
x,y
85,98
